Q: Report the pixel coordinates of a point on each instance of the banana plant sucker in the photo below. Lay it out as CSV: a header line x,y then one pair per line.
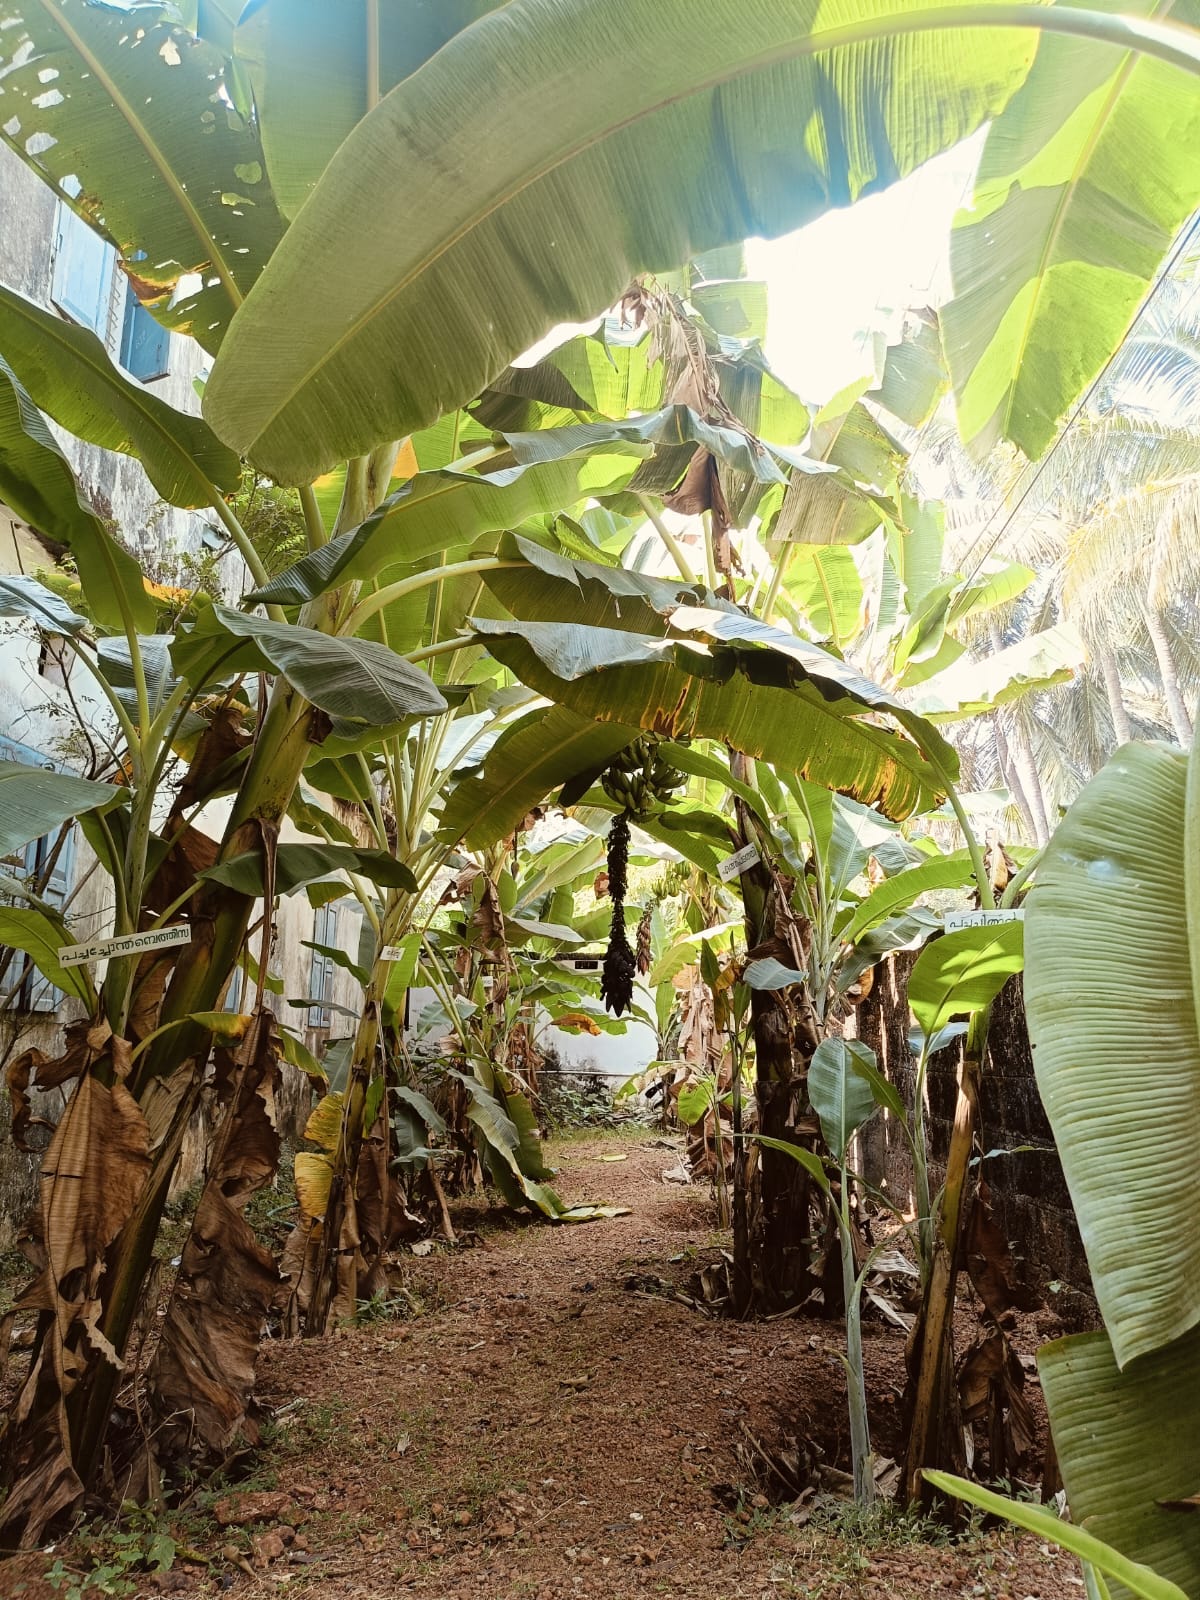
x,y
417,769
220,919
940,1233
336,1277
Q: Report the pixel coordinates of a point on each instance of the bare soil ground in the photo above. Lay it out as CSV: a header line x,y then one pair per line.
x,y
546,1424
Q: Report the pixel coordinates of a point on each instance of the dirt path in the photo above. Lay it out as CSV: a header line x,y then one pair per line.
x,y
546,1431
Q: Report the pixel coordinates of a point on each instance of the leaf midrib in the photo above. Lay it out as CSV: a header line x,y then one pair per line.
x,y
812,44
142,134
1119,82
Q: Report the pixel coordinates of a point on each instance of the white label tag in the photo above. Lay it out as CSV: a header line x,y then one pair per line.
x,y
955,920
392,952
128,944
747,856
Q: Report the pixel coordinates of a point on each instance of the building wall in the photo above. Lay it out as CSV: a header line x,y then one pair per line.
x,y
36,712
116,485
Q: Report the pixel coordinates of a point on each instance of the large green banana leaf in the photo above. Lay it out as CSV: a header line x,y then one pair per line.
x,y
1086,177
701,691
445,510
547,154
37,483
41,935
961,974
1128,1444
587,595
841,1093
1112,1016
365,687
317,67
297,865
899,892
33,602
34,800
973,688
529,761
134,122
67,371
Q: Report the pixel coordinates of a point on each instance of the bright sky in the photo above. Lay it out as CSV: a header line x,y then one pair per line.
x,y
848,275
855,271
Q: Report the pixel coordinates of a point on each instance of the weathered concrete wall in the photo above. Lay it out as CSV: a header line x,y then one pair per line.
x,y
116,485
35,711
1029,1193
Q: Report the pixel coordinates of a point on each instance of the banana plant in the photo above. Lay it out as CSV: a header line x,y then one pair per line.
x,y
306,385
846,1089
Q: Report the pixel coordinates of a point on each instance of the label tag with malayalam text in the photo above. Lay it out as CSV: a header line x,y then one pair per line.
x,y
954,920
747,856
128,944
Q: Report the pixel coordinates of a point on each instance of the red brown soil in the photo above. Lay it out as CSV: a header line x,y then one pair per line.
x,y
541,1431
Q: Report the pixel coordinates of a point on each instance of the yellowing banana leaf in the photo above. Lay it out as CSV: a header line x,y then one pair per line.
x,y
696,690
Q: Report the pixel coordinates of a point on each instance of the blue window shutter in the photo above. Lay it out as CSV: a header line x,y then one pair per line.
x,y
83,269
36,993
145,343
43,996
320,983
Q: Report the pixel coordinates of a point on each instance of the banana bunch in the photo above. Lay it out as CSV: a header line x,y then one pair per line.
x,y
639,778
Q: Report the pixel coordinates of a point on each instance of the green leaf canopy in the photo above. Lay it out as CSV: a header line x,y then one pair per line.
x,y
446,510
530,759
37,483
571,173
67,372
1086,177
137,125
360,684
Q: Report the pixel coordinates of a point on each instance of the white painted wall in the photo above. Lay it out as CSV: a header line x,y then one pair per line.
x,y
615,1056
